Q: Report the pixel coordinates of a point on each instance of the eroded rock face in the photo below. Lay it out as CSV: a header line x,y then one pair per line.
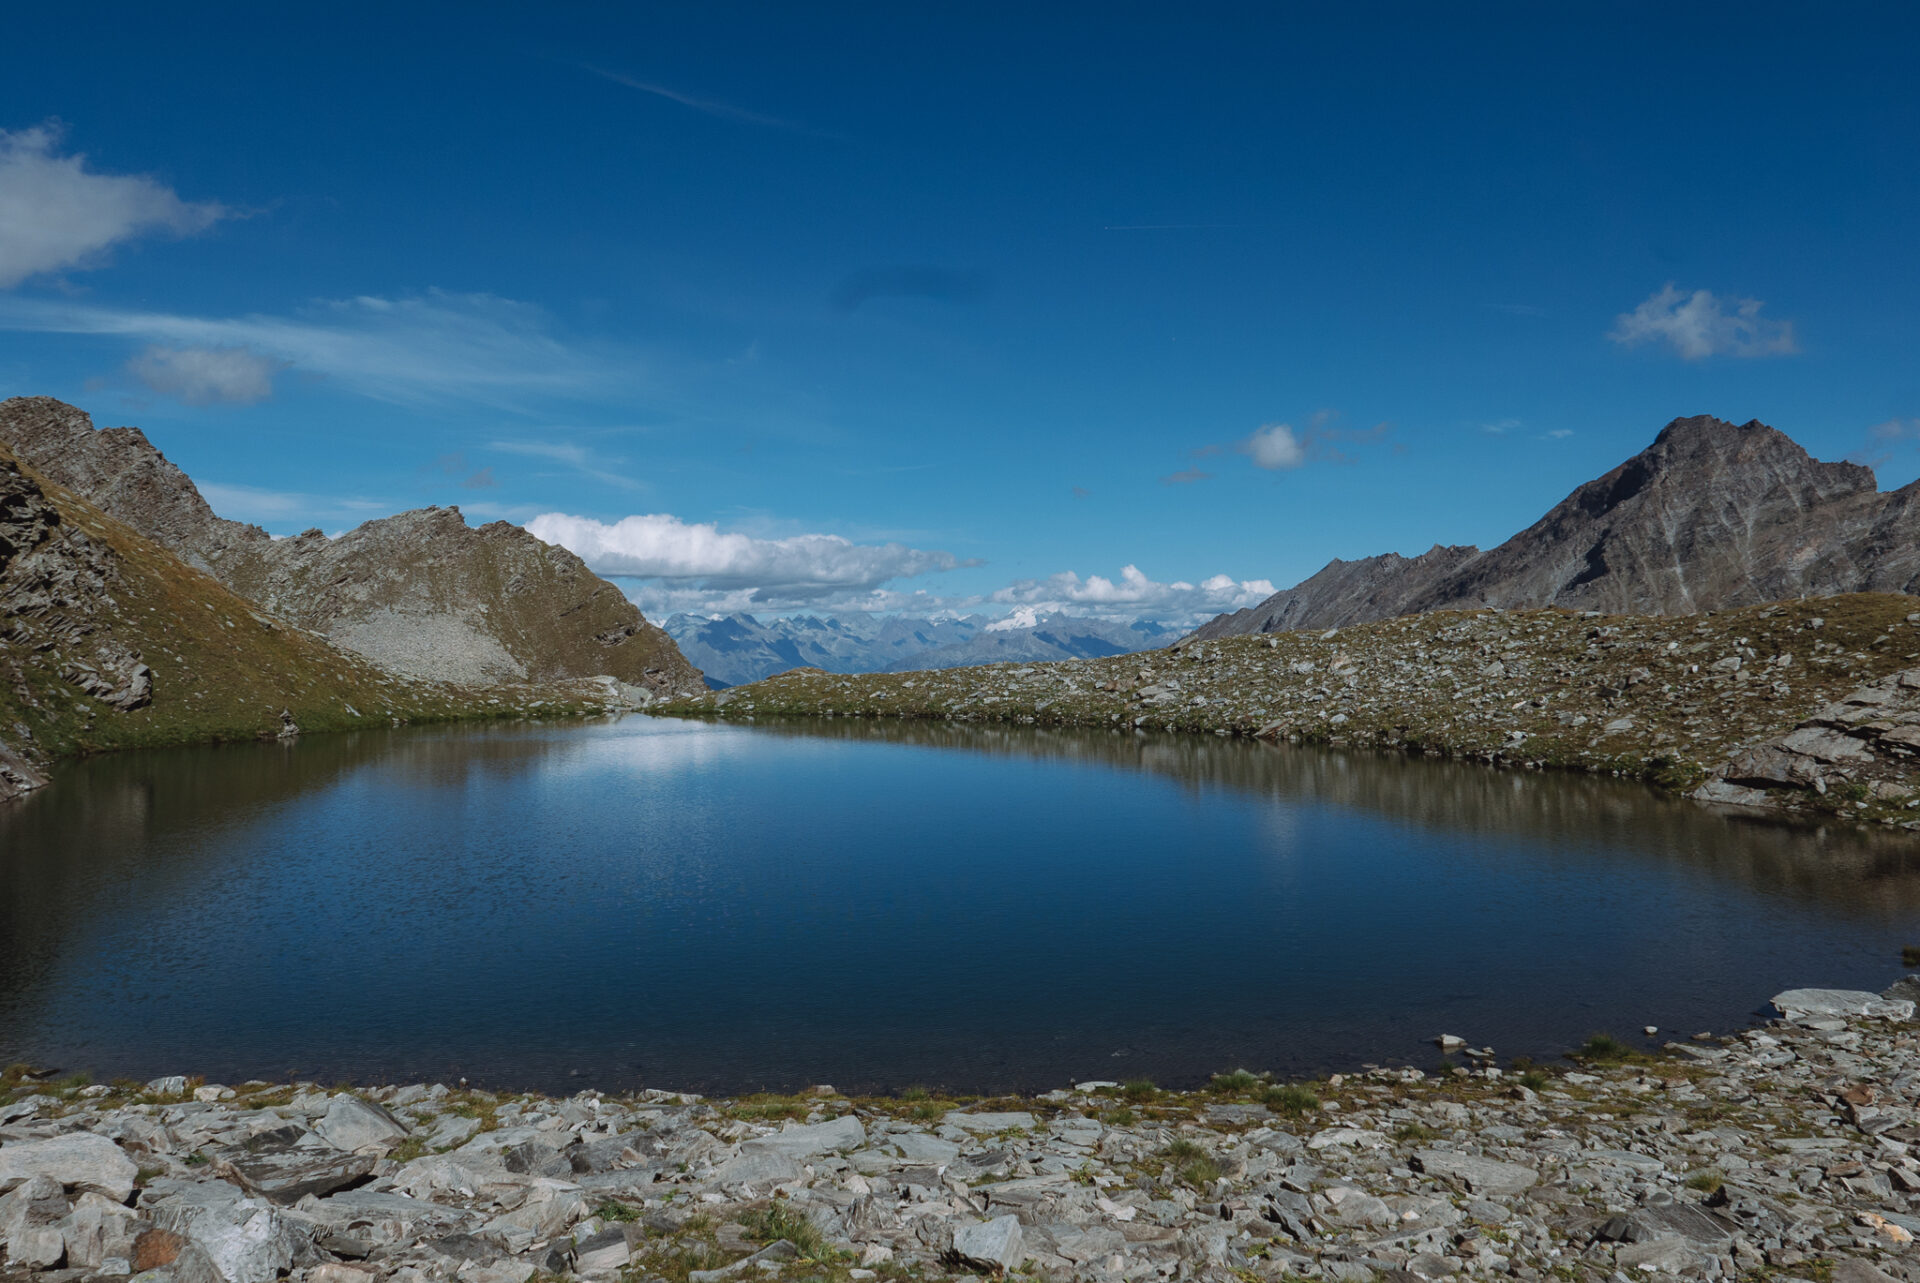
x,y
421,593
53,583
1712,515
1867,741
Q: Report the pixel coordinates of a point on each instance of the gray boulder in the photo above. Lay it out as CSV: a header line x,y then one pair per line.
x,y
991,1245
358,1127
80,1161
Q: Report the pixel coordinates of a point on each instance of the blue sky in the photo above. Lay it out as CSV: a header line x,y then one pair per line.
x,y
935,306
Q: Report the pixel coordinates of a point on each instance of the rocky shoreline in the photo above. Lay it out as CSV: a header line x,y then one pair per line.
x,y
1783,1151
1810,705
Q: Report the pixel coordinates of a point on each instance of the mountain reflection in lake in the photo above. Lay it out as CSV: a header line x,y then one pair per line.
x,y
721,908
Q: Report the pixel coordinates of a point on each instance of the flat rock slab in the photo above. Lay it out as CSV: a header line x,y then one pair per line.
x,y
757,1167
923,1148
1841,1003
290,1175
82,1161
987,1124
1623,1158
1481,1175
805,1140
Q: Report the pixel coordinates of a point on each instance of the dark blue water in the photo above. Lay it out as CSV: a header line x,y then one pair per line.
x,y
721,909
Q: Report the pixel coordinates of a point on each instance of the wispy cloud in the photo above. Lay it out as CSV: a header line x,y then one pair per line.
x,y
1185,477
1882,437
57,214
1500,427
433,347
576,458
709,106
1701,324
251,503
207,375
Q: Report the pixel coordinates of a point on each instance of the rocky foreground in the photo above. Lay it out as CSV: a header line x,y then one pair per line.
x,y
1810,705
1783,1151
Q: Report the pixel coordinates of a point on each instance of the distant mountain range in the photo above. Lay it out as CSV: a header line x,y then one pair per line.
x,y
1712,515
736,649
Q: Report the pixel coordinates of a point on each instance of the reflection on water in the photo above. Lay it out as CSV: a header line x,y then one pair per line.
x,y
876,904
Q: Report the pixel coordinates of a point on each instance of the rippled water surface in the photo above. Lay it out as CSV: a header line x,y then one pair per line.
x,y
725,908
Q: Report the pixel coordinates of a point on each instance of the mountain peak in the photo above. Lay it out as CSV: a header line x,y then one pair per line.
x,y
1711,515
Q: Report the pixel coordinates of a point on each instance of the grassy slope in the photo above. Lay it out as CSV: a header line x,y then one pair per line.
x,y
1537,688
222,670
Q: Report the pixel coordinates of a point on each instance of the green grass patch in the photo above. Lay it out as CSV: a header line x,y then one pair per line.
x,y
779,1221
1605,1049
1292,1100
1707,1180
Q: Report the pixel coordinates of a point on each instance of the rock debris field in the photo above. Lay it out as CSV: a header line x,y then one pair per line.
x,y
1809,705
1782,1151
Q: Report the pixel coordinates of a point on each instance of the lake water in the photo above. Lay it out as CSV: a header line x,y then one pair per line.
x,y
721,908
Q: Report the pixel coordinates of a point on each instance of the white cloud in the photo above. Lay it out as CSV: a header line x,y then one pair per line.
x,y
1275,446
1134,595
1700,324
670,566
55,213
417,349
206,375
798,568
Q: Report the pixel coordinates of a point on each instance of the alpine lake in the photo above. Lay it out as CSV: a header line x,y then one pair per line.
x,y
652,902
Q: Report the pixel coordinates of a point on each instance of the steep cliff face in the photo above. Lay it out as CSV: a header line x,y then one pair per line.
x,y
1712,515
421,593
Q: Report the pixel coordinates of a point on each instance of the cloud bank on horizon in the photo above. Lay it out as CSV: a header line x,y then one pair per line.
x,y
670,565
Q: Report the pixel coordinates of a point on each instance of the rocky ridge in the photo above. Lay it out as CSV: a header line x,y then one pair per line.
x,y
108,640
421,593
1685,701
1783,1151
1711,516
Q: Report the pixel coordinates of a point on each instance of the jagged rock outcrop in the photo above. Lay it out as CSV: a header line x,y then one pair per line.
x,y
1711,516
1865,742
421,593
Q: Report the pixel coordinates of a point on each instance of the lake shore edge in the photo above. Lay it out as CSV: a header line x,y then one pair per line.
x,y
1808,707
1784,1150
